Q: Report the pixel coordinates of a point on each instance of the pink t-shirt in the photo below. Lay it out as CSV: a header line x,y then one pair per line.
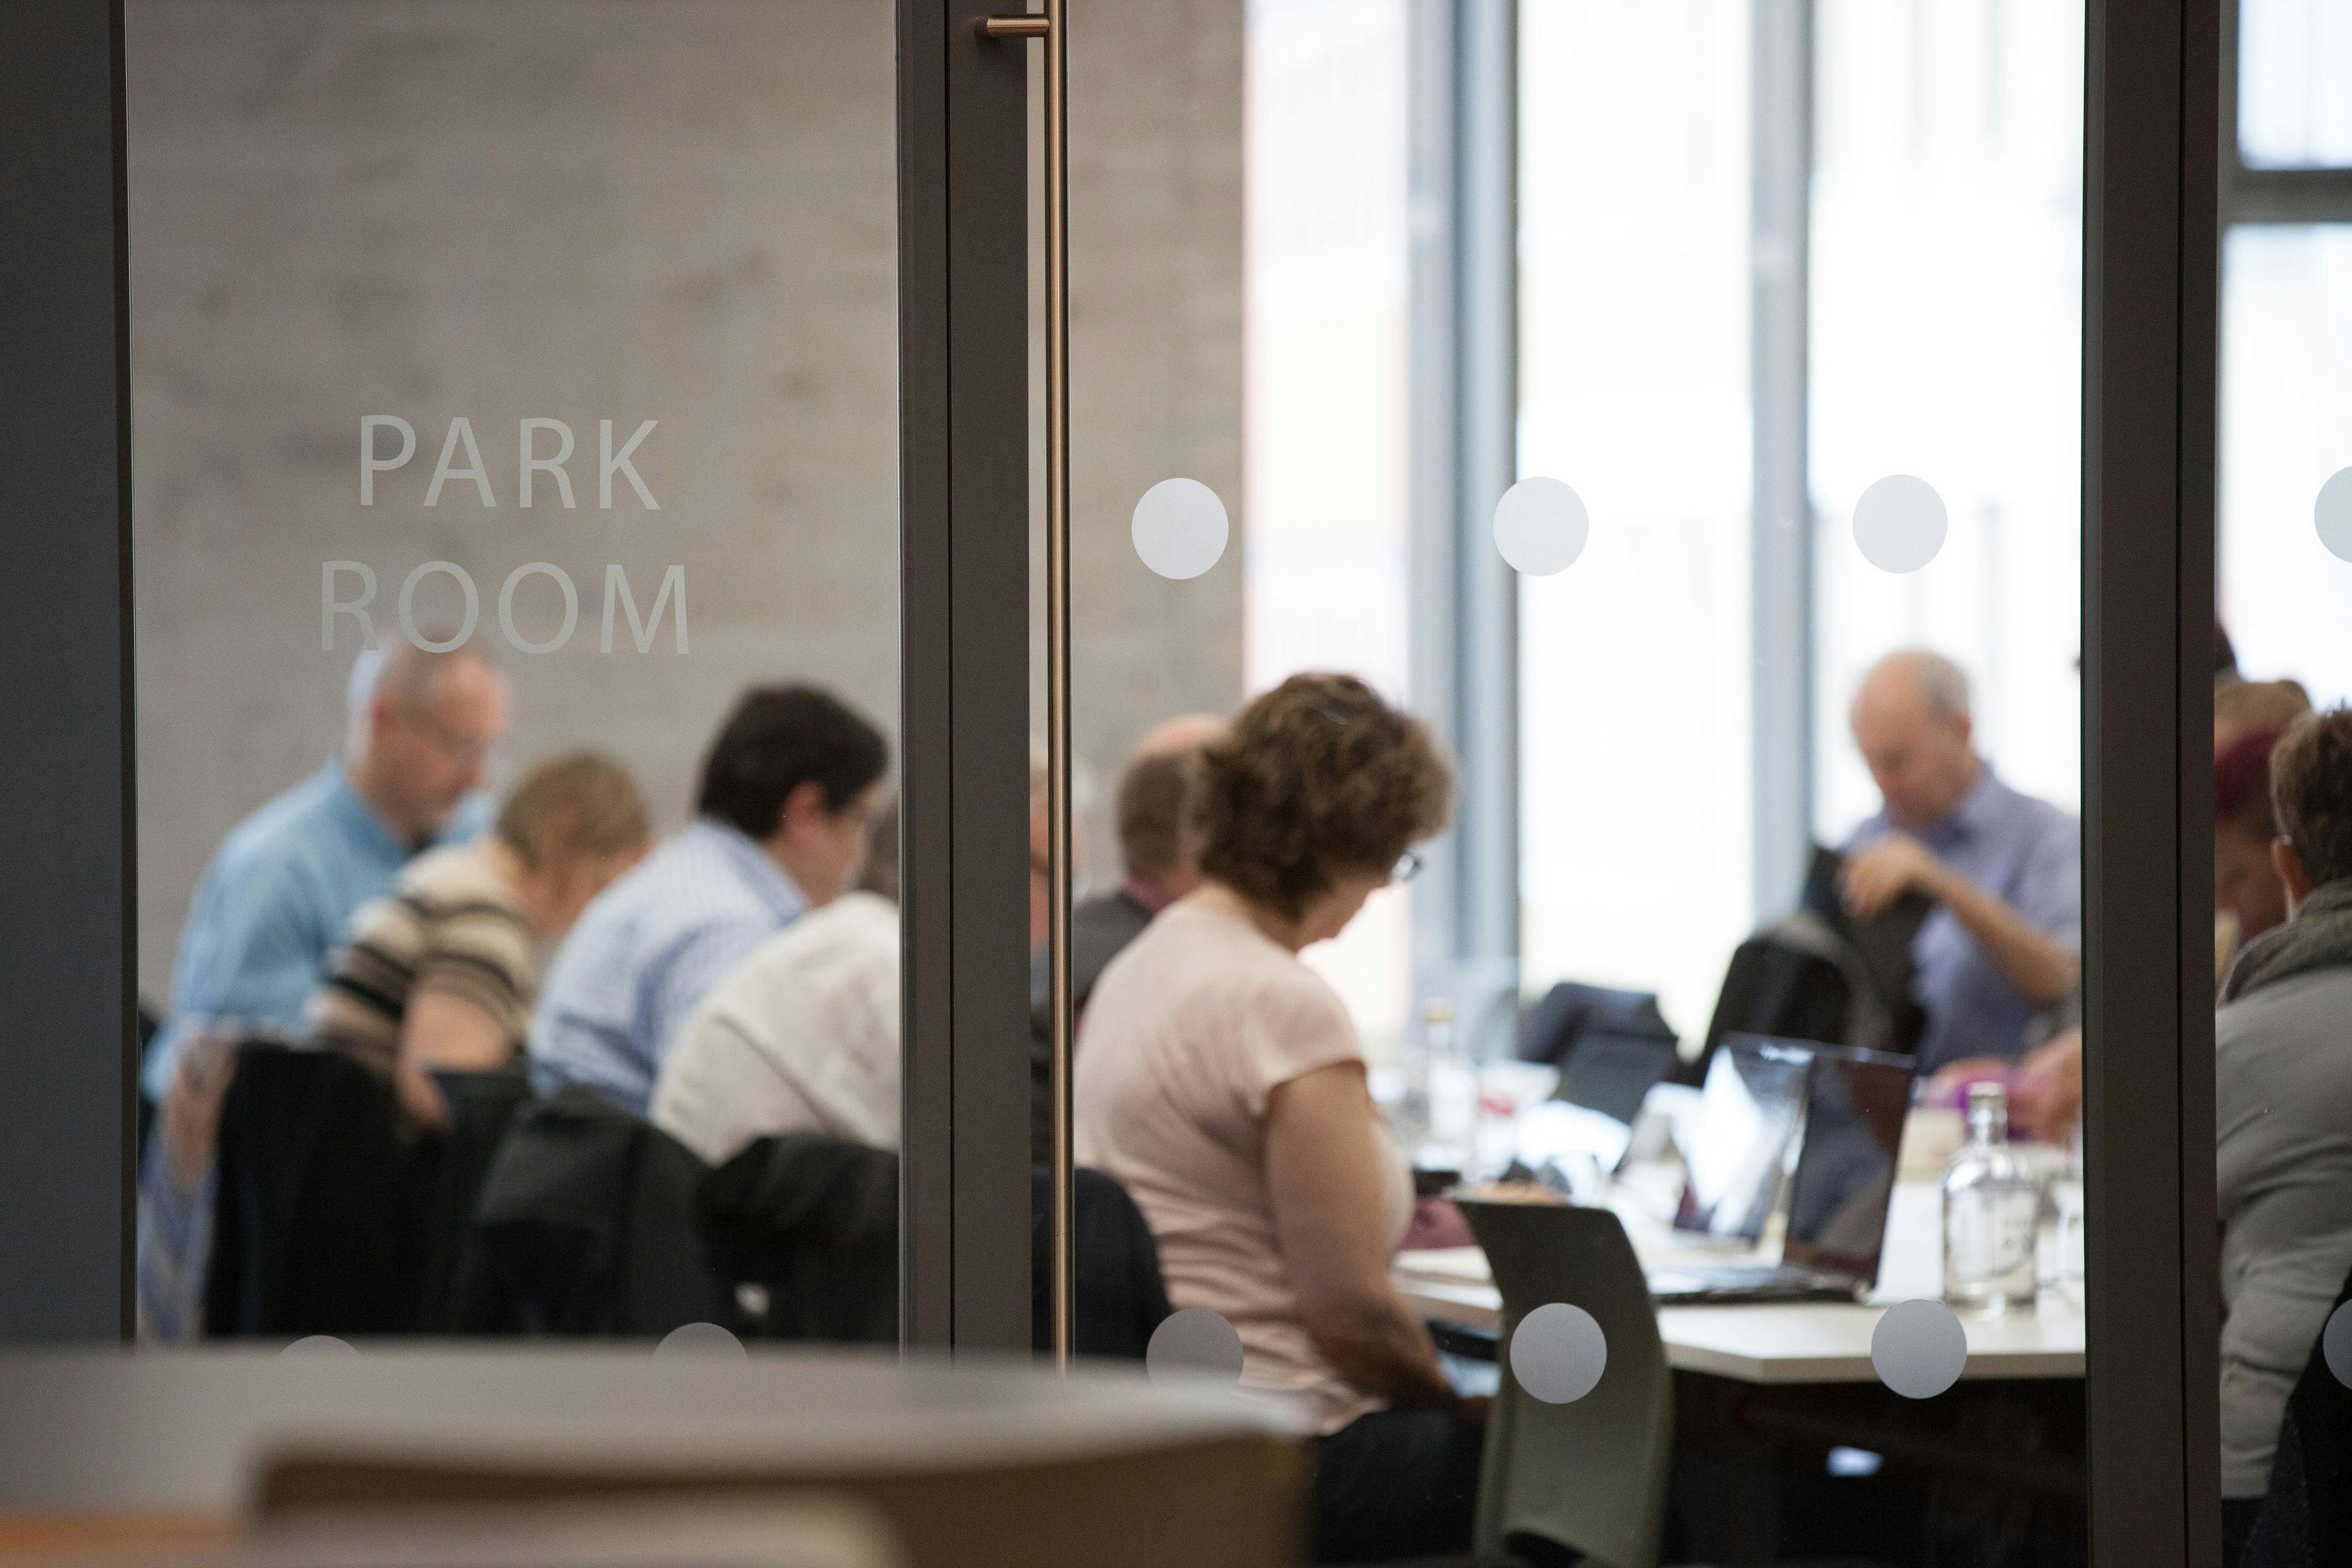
x,y
1188,1031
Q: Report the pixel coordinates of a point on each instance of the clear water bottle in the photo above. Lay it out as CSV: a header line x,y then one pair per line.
x,y
1992,1214
1449,1094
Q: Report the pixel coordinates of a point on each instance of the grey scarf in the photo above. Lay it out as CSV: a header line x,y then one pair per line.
x,y
2318,937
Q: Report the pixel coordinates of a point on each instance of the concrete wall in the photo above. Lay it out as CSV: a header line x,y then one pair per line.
x,y
626,210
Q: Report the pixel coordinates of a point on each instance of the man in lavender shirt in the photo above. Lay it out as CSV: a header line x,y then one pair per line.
x,y
2004,870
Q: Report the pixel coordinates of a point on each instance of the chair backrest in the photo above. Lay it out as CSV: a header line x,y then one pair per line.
x,y
1590,1476
1121,1296
1557,1025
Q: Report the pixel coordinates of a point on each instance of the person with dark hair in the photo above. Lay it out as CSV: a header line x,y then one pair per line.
x,y
786,794
2283,1112
1160,847
1221,1082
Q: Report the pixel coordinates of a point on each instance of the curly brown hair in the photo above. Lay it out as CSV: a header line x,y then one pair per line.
x,y
1315,780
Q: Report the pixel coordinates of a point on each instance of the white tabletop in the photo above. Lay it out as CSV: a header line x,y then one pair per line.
x,y
1797,1343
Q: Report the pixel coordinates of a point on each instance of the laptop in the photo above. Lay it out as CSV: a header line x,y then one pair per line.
x,y
1855,1101
1750,1107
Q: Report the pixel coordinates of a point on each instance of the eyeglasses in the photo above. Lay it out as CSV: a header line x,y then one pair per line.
x,y
1407,867
458,749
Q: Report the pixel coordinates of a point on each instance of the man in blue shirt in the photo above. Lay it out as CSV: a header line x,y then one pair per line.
x,y
786,794
272,903
2004,870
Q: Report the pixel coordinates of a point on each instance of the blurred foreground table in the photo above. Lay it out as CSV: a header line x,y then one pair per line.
x,y
974,1461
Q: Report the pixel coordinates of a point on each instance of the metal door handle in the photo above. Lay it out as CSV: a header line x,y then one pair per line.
x,y
1052,26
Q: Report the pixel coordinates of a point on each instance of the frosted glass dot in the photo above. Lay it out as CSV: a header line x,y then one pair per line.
x,y
1541,527
1179,528
1919,1348
1899,523
2332,512
1196,1341
1559,1352
326,1347
2335,1344
701,1340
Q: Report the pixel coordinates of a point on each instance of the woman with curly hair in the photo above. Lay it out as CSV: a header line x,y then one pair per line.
x,y
1221,1080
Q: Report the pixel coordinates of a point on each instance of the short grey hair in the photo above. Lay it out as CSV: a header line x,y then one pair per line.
x,y
1942,684
402,669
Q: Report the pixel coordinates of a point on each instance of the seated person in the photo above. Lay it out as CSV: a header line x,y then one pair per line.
x,y
1221,1082
2249,898
1157,843
2284,1111
441,973
274,902
2004,870
785,796
804,1035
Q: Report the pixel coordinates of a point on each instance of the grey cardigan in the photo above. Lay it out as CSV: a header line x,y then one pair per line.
x,y
2283,1060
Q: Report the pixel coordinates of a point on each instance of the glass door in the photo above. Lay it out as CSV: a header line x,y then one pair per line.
x,y
1597,611
515,582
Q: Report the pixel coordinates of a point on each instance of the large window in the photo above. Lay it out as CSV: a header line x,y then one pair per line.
x,y
1633,667
1325,483
2294,59
1947,344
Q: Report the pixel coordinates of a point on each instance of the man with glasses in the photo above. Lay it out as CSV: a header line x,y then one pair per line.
x,y
274,900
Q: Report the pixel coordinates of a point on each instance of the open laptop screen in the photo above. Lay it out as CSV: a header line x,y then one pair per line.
x,y
1750,1107
1845,1170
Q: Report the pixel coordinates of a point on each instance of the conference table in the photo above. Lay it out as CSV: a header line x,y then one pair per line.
x,y
1778,1343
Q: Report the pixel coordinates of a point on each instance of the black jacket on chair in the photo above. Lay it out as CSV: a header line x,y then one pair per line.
x,y
319,1221
482,1106
2306,1516
804,1231
586,1227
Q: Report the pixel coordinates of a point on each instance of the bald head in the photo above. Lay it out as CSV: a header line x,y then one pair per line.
x,y
1155,837
1912,725
1183,734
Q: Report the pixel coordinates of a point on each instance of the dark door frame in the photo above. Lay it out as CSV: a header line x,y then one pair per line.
x,y
2150,249
67,989
963,356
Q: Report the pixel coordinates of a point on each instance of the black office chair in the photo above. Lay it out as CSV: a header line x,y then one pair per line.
x,y
1554,1028
1121,1297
